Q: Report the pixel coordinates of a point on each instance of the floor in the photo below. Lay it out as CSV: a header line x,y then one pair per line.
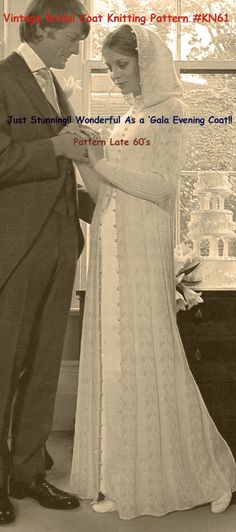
x,y
33,518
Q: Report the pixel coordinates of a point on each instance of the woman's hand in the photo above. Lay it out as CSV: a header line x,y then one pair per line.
x,y
72,129
81,131
95,152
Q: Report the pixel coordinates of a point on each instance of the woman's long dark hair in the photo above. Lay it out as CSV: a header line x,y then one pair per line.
x,y
123,40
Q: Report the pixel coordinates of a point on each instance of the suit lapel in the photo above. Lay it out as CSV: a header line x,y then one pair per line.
x,y
63,102
30,86
66,110
27,81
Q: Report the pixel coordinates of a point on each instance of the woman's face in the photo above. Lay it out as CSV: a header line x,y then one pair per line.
x,y
124,71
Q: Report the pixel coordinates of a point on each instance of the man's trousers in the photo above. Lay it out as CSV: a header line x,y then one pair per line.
x,y
34,309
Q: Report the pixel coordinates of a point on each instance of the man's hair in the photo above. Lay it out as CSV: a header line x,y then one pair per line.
x,y
41,8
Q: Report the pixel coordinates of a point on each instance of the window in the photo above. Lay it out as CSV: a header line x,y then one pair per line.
x,y
205,58
204,54
1,31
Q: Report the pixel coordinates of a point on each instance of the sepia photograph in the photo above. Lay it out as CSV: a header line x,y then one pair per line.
x,y
118,265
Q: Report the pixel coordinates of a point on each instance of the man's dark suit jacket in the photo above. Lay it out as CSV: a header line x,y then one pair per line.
x,y
31,177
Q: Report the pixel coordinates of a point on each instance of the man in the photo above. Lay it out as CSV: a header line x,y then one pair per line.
x,y
40,240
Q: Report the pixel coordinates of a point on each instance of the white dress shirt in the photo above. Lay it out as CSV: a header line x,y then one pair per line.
x,y
36,64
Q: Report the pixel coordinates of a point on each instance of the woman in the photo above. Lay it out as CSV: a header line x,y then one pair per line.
x,y
143,435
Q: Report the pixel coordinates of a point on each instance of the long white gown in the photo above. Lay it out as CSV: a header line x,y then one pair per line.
x,y
111,354
143,435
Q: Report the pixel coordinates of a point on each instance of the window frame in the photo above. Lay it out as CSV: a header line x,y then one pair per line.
x,y
3,29
91,66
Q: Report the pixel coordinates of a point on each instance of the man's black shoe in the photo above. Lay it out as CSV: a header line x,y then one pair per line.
x,y
43,492
6,510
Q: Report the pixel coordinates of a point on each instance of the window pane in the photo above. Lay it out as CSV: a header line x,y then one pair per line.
x,y
208,40
142,9
2,27
211,140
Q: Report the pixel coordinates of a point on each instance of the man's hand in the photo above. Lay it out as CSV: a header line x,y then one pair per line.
x,y
65,146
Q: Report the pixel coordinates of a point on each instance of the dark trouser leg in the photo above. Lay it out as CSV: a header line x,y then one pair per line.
x,y
14,304
46,286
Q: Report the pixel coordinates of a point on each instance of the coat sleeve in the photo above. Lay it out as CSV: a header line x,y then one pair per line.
x,y
86,205
168,153
23,162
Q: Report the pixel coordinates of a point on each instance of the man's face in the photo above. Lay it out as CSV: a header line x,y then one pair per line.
x,y
57,45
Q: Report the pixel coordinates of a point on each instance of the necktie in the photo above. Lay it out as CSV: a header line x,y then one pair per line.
x,y
46,82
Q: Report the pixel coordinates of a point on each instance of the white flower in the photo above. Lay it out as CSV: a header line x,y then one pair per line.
x,y
179,278
186,261
71,85
180,301
192,298
184,257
